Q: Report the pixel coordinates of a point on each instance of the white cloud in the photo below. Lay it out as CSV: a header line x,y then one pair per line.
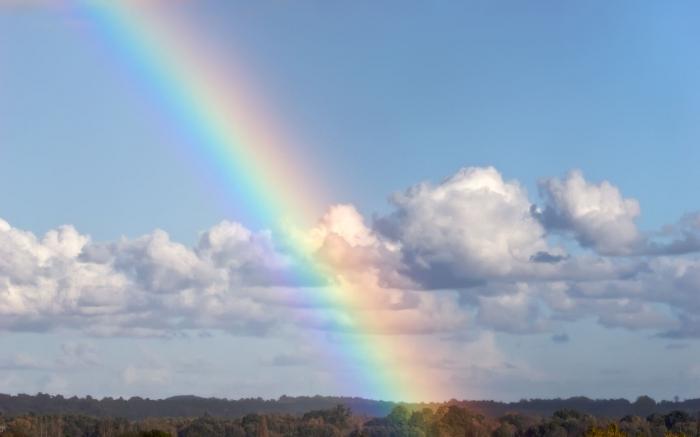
x,y
472,227
233,280
345,222
465,252
596,214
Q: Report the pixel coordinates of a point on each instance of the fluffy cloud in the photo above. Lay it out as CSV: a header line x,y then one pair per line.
x,y
233,279
463,254
472,227
142,286
596,214
599,217
245,257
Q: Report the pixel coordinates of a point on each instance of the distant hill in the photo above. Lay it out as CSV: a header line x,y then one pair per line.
x,y
193,406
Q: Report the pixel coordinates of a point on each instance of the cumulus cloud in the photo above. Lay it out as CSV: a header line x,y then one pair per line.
x,y
468,252
597,215
245,257
600,218
471,227
233,279
141,286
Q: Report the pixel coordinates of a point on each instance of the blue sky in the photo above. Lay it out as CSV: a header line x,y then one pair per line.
x,y
383,97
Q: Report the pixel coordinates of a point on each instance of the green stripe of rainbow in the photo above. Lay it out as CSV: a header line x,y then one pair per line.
x,y
219,118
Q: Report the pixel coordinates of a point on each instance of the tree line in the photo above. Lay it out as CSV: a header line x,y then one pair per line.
x,y
192,406
445,420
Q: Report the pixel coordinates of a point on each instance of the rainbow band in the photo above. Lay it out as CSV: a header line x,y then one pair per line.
x,y
215,115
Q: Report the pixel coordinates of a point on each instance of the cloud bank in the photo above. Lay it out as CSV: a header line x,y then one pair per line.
x,y
474,251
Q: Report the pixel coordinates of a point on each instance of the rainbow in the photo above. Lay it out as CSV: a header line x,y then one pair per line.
x,y
212,106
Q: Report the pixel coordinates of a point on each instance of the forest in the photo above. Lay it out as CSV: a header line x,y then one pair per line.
x,y
193,406
448,419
